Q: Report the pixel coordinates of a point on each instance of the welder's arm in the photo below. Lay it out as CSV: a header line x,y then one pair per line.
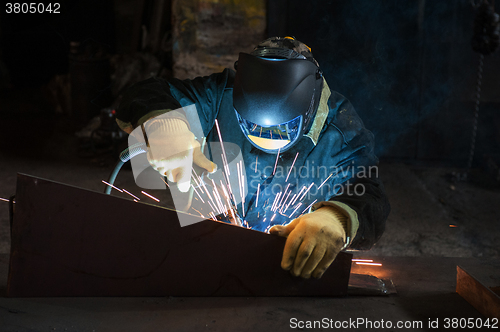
x,y
356,221
370,210
155,96
368,207
172,148
313,241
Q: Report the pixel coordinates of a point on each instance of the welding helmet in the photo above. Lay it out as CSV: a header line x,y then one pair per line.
x,y
276,93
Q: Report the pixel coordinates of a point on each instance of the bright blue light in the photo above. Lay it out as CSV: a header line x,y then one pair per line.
x,y
273,59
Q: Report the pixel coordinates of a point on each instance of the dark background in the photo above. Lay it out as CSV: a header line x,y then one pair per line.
x,y
407,66
35,46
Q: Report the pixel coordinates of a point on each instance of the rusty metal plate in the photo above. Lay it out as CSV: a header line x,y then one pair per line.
x,y
68,241
478,295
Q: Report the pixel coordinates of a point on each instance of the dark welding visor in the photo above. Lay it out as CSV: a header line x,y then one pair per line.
x,y
272,92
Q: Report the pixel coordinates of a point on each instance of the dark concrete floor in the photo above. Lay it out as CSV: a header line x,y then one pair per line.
x,y
425,207
426,291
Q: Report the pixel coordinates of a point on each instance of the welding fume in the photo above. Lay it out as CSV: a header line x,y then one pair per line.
x,y
279,152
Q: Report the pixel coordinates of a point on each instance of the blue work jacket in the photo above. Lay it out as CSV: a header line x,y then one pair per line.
x,y
342,161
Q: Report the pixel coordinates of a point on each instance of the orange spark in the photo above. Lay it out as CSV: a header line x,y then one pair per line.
x,y
145,193
136,198
276,163
372,264
321,185
109,184
291,167
161,177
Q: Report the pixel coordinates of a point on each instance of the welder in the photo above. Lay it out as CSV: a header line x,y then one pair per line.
x,y
277,107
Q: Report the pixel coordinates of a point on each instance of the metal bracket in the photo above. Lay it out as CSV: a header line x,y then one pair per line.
x,y
69,241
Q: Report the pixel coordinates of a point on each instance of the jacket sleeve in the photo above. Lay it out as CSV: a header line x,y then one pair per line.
x,y
143,98
156,94
361,188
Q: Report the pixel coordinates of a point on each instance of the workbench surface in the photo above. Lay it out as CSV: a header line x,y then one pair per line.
x,y
425,286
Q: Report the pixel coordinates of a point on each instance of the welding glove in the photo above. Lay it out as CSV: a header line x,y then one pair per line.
x,y
313,241
173,149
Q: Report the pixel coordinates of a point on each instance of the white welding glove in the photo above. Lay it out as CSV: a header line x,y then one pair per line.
x,y
173,149
313,241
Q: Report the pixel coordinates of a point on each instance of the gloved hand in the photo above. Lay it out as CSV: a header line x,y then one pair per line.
x,y
173,149
313,241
